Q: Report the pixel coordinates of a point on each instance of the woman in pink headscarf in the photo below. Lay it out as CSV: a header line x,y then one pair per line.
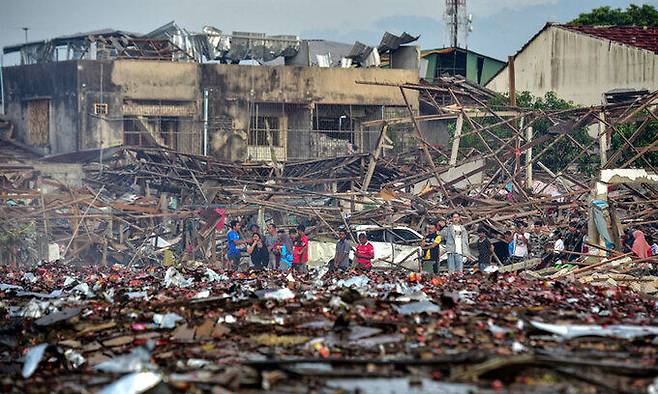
x,y
640,246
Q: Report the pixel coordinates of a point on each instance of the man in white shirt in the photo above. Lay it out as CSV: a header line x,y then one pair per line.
x,y
456,238
521,237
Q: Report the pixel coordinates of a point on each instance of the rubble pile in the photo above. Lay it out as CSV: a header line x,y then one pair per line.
x,y
115,275
195,329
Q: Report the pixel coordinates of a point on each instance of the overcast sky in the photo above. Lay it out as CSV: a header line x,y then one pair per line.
x,y
500,27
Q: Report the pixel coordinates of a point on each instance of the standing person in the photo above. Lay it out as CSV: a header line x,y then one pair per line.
x,y
654,246
641,247
260,256
254,228
456,238
485,249
501,247
342,255
431,249
284,251
627,241
521,237
270,240
573,242
233,239
538,240
558,247
300,250
364,254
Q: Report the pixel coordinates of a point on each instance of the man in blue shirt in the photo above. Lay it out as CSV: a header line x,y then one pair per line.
x,y
233,237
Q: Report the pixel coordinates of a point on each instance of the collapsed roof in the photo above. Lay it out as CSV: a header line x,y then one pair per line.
x,y
171,42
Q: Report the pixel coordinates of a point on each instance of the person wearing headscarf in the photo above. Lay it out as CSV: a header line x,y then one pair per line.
x,y
284,251
640,245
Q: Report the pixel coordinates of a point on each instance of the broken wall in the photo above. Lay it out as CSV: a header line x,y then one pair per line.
x,y
234,89
41,102
578,67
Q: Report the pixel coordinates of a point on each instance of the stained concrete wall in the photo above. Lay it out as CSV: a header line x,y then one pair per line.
x,y
158,82
293,84
56,82
75,86
233,88
579,67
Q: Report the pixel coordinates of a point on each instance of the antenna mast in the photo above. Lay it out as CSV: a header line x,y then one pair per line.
x,y
457,21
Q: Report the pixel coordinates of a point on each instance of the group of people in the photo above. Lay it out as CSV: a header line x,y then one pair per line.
x,y
444,242
517,245
275,249
283,251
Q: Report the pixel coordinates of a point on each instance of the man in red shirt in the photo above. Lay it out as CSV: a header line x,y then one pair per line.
x,y
364,254
300,250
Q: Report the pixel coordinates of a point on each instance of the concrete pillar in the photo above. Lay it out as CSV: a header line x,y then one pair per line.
x,y
528,158
456,141
603,140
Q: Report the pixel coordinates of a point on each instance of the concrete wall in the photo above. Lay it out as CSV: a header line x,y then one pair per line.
x,y
234,88
579,67
152,80
292,84
73,87
56,82
160,83
406,57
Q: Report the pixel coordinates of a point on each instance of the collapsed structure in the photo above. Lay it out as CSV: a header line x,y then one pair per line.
x,y
170,88
139,202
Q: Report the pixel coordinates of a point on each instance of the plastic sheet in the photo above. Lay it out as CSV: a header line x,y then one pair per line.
x,y
212,276
569,331
175,278
134,383
135,361
76,359
279,294
417,307
32,359
167,320
355,281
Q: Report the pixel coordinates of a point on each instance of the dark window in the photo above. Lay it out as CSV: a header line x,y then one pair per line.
x,y
480,69
258,130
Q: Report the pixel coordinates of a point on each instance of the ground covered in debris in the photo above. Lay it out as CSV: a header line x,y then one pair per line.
x,y
195,329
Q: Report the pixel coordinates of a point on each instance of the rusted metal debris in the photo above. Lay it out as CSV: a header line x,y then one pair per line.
x,y
125,267
263,330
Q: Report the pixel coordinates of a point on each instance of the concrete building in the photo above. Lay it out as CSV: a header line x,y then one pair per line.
x,y
582,63
148,92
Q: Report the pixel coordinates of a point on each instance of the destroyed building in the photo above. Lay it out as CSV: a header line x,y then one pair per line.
x,y
176,89
473,66
582,63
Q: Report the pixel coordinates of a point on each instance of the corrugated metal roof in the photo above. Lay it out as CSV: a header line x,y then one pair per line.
x,y
636,36
72,37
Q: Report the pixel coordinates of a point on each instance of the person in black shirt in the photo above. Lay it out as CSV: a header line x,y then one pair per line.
x,y
484,249
573,242
260,256
501,247
431,248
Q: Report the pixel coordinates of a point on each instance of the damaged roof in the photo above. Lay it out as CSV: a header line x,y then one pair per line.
x,y
107,32
636,36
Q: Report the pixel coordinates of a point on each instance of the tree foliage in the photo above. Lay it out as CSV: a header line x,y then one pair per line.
x,y
564,153
634,15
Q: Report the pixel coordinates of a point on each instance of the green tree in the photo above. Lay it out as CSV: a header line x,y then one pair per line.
x,y
634,15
